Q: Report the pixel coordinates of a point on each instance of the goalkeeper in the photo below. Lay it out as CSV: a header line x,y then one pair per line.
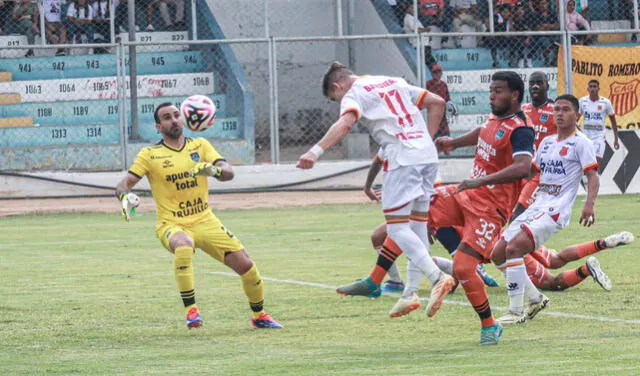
x,y
178,168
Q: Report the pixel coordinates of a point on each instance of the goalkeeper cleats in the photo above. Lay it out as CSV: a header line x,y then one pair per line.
x,y
264,321
193,318
404,306
491,335
361,287
445,285
618,239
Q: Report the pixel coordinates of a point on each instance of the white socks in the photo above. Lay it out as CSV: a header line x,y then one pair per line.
x,y
516,281
414,247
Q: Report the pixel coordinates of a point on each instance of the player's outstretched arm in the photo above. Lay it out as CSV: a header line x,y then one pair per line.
x,y
374,170
446,144
128,200
588,216
221,170
338,131
519,169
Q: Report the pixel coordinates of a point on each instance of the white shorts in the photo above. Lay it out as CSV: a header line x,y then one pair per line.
x,y
403,185
599,145
537,223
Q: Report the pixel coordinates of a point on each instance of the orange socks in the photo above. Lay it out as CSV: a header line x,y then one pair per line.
x,y
387,256
464,268
590,248
575,276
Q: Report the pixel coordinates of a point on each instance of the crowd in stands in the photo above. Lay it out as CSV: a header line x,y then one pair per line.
x,y
68,21
508,16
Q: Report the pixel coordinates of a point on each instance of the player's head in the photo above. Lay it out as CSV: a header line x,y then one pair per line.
x,y
168,120
565,111
336,82
593,87
506,92
538,86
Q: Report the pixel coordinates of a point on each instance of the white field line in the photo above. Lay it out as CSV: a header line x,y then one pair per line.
x,y
455,302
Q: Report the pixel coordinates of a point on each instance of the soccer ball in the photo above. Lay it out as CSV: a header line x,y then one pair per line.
x,y
198,112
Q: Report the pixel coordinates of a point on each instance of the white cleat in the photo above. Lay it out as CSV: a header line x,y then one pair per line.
x,y
404,306
512,318
444,286
535,307
618,239
598,275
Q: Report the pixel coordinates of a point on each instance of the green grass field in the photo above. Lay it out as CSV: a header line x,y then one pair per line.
x,y
88,294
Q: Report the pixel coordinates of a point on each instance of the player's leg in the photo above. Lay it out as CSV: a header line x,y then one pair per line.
x,y
394,283
541,278
177,241
409,301
217,241
576,252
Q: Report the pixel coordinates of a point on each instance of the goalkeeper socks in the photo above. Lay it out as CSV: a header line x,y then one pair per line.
x,y
183,270
254,289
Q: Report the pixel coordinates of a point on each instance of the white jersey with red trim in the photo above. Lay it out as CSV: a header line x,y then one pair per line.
x,y
390,108
595,114
561,165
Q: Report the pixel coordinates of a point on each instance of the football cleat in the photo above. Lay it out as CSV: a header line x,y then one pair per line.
x,y
486,277
618,239
405,306
491,334
193,318
512,318
361,287
438,292
264,321
535,308
598,275
392,286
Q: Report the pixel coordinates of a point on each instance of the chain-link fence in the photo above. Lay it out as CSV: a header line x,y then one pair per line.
x,y
67,92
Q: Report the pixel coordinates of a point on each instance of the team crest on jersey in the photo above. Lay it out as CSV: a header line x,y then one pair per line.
x,y
600,107
544,117
499,134
564,151
195,156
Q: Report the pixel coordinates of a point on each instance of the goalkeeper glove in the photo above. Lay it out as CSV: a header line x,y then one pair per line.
x,y
128,203
205,168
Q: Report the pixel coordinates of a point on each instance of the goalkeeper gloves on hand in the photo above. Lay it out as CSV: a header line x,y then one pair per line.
x,y
128,203
205,168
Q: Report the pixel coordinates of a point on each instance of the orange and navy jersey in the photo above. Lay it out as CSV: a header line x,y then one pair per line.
x,y
500,140
541,119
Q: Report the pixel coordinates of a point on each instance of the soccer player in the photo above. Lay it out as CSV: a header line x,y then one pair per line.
x,y
390,108
595,110
540,111
542,259
561,160
178,169
483,204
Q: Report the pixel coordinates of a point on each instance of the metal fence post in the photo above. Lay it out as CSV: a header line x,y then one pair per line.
x,y
339,16
274,139
194,20
121,103
133,76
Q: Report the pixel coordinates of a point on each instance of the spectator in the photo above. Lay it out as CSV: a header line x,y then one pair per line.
x,y
541,18
574,21
465,13
582,7
55,31
122,17
178,22
433,14
439,87
80,17
148,6
521,44
501,23
397,9
102,19
25,16
411,25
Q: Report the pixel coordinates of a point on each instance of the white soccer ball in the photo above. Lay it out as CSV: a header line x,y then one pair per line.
x,y
199,112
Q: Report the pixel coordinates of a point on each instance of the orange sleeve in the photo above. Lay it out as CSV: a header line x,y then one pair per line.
x,y
421,98
351,109
590,166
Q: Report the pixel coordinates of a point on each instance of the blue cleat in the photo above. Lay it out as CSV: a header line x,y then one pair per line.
x,y
491,335
193,318
361,287
393,286
486,277
264,321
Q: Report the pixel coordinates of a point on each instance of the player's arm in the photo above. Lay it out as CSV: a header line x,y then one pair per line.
x,y
219,169
127,199
522,147
614,126
338,131
447,143
588,216
374,170
435,106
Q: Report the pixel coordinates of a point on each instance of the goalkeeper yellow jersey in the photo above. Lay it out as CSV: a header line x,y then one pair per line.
x,y
179,198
